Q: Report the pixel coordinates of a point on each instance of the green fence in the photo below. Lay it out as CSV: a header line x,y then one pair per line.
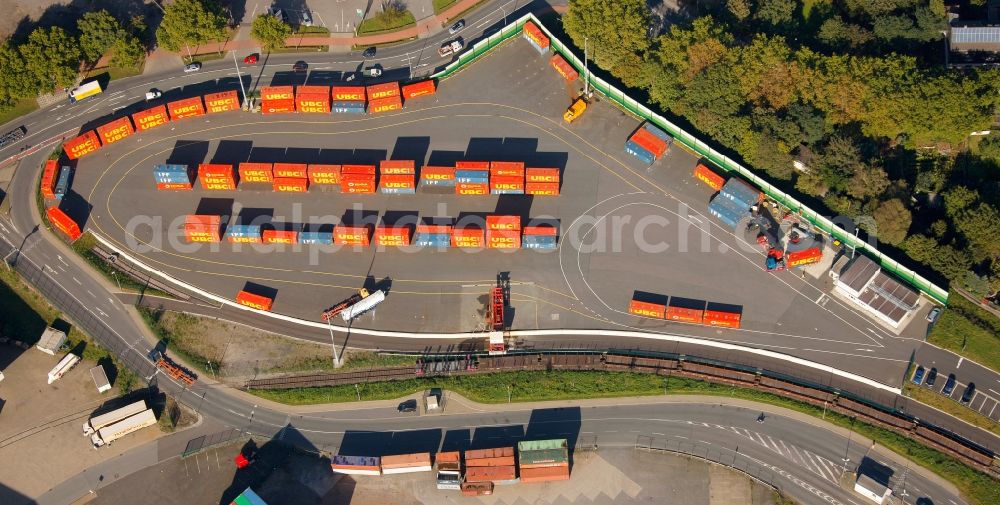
x,y
691,142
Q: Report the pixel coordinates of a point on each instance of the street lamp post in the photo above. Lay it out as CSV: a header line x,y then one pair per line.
x,y
239,77
847,450
333,343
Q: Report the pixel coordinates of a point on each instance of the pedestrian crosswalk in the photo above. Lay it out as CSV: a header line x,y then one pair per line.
x,y
803,458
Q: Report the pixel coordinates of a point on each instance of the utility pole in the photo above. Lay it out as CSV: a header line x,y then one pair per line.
x,y
586,69
333,343
239,77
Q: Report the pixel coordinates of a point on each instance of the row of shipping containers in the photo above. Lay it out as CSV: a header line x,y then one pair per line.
x,y
389,177
374,99
685,310
648,143
733,202
499,232
54,184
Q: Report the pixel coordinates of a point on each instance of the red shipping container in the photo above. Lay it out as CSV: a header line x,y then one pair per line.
x,y
218,183
188,107
358,169
468,237
507,182
542,188
151,118
646,309
202,220
291,184
684,314
392,236
350,235
397,181
63,223
174,185
297,170
804,257
723,319
244,240
545,474
507,168
384,105
419,89
268,93
280,237
256,172
472,165
434,228
509,223
254,301
359,189
544,230
49,179
708,176
503,239
466,188
348,94
202,235
215,170
489,473
222,102
541,175
324,174
313,102
382,91
535,34
494,452
86,143
397,167
277,106
437,174
565,69
312,90
649,142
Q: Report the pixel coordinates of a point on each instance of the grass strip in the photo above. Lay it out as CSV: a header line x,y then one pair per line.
x,y
562,385
441,5
22,107
969,331
388,21
951,407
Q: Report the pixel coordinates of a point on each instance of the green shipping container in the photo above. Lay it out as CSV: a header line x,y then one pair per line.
x,y
533,452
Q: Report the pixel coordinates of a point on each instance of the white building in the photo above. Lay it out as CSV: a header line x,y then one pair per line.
x,y
863,282
872,489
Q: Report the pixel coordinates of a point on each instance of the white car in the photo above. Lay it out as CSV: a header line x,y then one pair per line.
x,y
192,67
153,94
455,28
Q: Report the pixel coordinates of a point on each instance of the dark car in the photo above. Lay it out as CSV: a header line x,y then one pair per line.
x,y
407,406
931,377
918,375
970,391
300,66
369,53
949,385
437,393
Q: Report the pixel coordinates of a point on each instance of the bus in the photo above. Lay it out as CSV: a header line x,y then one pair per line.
x,y
84,90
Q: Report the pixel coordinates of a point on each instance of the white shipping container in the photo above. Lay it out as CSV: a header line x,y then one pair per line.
x,y
118,430
98,422
407,469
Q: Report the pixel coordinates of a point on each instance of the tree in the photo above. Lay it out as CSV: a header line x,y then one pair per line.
x,y
868,181
957,199
980,225
16,82
53,56
811,183
187,22
270,31
837,34
892,220
99,31
129,52
840,160
740,9
775,12
613,28
770,156
943,258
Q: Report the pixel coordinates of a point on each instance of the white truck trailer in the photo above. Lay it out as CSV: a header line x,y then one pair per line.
x,y
112,432
69,361
108,418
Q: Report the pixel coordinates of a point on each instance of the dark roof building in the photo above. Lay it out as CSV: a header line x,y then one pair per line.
x,y
863,282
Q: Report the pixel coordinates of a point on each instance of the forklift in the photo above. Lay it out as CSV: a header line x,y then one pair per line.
x,y
575,110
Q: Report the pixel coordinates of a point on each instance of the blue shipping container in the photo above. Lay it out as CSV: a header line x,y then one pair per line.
x,y
473,174
637,151
62,186
170,168
349,110
538,242
437,182
243,230
536,46
740,192
506,191
349,104
397,191
727,211
316,237
432,240
664,136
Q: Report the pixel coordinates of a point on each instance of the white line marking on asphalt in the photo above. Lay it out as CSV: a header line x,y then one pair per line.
x,y
875,333
89,292
960,360
799,454
991,410
776,449
660,434
824,461
681,436
77,281
705,442
60,268
762,442
865,350
610,431
61,260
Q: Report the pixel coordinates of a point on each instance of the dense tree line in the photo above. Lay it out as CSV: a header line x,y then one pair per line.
x,y
844,90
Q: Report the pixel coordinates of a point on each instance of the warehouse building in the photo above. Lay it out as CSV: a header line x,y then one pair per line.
x,y
862,281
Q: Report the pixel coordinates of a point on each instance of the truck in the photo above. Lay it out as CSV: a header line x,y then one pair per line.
x,y
85,90
575,110
450,48
112,432
65,364
108,418
62,185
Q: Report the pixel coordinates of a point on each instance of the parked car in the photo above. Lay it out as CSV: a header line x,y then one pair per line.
x,y
300,66
369,53
307,19
933,314
455,28
918,375
949,385
373,72
192,67
407,406
437,393
970,391
931,377
280,14
251,59
153,94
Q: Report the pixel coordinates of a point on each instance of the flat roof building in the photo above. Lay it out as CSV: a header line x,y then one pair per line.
x,y
863,282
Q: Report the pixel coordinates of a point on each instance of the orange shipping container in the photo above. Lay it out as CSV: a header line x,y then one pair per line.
x,y
468,237
406,460
541,175
472,165
507,182
493,452
174,185
280,236
543,230
254,301
545,474
277,106
535,34
222,102
358,169
351,235
684,314
297,170
215,170
392,236
256,172
649,142
218,186
723,319
437,174
497,239
348,93
382,91
434,228
188,107
507,168
804,257
542,188
509,223
291,184
312,90
646,309
359,189
269,93
86,143
397,182
49,176
385,105
63,223
490,461
467,188
419,89
324,174
313,102
708,176
397,167
489,473
202,220
565,69
244,240
151,118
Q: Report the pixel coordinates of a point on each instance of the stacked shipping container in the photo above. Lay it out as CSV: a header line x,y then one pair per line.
x,y
244,234
536,38
256,172
290,177
648,143
357,179
277,99
406,463
314,99
222,102
543,460
397,177
348,99
172,177
472,178
539,237
151,118
428,235
503,232
202,228
490,465
216,176
507,178
384,97
542,181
